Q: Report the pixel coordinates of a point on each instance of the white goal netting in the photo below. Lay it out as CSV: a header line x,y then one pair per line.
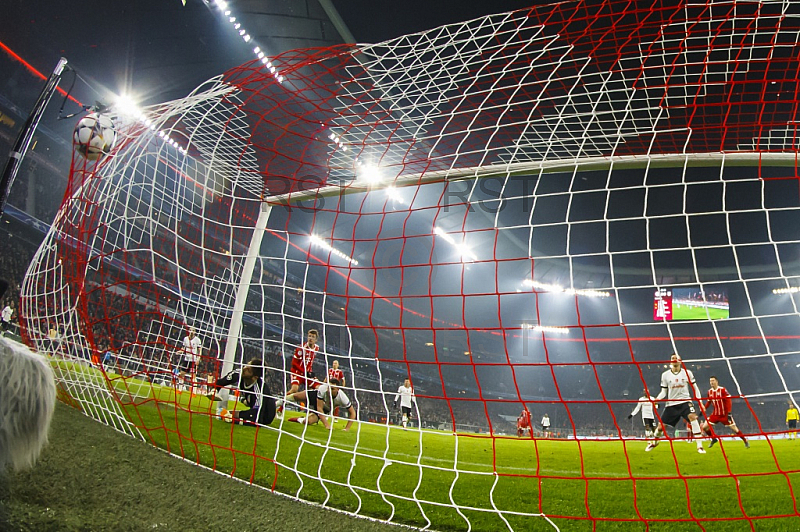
x,y
527,212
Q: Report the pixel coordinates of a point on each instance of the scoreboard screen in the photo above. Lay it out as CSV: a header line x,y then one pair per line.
x,y
690,303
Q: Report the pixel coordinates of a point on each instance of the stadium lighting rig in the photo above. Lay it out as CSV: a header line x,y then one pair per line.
x,y
327,247
394,195
545,287
222,5
547,328
463,250
368,173
337,140
125,107
790,290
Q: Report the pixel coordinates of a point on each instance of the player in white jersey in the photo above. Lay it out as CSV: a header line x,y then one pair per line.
x,y
5,319
647,406
192,347
546,425
679,388
405,394
322,401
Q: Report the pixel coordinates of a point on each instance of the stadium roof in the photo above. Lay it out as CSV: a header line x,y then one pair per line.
x,y
160,50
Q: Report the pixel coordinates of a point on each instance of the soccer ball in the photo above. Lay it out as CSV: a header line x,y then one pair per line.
x,y
94,136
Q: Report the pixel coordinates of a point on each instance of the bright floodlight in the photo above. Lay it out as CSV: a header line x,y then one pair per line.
x,y
324,245
464,251
125,106
546,287
368,173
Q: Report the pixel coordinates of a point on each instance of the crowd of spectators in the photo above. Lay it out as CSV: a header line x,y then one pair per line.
x,y
17,254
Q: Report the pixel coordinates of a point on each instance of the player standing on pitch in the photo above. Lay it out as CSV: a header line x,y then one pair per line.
x,y
524,423
678,385
5,319
647,406
192,347
546,425
303,366
405,394
792,416
335,373
719,397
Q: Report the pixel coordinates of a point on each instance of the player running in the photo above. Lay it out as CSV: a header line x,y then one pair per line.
x,y
678,385
720,399
647,406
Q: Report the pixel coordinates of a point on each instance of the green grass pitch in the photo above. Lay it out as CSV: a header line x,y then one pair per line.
x,y
684,312
421,477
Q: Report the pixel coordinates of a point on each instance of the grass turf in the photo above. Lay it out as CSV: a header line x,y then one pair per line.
x,y
417,478
685,312
92,478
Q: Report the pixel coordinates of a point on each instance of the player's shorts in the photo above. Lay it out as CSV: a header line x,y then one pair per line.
x,y
311,395
545,428
673,414
186,365
792,423
302,380
5,325
406,410
649,423
725,420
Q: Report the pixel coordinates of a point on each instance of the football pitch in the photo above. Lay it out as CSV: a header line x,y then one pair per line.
x,y
686,312
467,481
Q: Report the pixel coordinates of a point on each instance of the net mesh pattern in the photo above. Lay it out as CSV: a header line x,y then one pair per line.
x,y
527,212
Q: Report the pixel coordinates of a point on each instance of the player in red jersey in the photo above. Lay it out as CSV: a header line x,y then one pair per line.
x,y
335,373
720,399
303,367
303,363
523,422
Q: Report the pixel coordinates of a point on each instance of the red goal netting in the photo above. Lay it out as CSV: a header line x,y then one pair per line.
x,y
524,214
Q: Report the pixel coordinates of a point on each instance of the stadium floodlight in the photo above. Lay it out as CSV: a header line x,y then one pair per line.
x,y
125,106
547,287
394,195
316,240
367,173
790,290
547,329
464,251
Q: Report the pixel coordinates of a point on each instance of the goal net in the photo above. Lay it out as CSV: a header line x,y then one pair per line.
x,y
524,214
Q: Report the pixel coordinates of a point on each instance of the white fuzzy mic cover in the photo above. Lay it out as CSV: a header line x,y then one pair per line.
x,y
27,401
